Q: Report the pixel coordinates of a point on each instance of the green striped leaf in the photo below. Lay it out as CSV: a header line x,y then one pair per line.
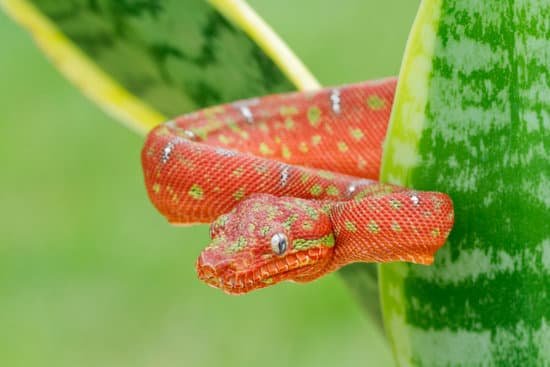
x,y
472,118
144,60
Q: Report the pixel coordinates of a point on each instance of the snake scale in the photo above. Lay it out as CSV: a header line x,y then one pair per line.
x,y
289,184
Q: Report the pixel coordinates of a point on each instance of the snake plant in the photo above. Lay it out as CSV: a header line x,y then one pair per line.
x,y
472,118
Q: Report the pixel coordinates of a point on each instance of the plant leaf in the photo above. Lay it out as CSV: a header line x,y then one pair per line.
x,y
362,280
146,60
472,118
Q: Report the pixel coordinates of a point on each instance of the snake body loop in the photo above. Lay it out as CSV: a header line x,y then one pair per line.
x,y
298,167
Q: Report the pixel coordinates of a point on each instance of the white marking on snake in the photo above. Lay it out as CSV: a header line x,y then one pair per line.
x,y
415,199
352,187
335,101
284,175
247,114
166,152
244,108
190,135
225,152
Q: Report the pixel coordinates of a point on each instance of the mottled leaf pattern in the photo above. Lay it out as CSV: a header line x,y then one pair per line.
x,y
175,55
472,115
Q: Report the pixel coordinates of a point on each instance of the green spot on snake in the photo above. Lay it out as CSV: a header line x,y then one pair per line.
x,y
362,194
313,115
361,163
395,204
290,221
234,126
238,172
307,225
288,205
265,230
289,124
271,213
196,192
261,168
163,131
437,202
326,174
395,227
316,139
350,226
316,190
311,212
265,150
237,245
285,152
213,111
222,220
373,227
303,244
333,191
342,147
288,110
239,194
263,127
201,132
375,102
356,133
224,139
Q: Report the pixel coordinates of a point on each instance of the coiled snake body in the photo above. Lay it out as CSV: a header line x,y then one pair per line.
x,y
288,182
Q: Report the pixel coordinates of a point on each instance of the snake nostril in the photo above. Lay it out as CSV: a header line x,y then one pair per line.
x,y
206,272
204,269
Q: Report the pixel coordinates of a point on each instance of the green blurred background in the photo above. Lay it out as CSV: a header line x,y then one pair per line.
x,y
91,275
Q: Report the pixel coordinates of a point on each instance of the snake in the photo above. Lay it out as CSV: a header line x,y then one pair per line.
x,y
289,183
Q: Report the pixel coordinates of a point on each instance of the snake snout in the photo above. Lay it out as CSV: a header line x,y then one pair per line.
x,y
211,268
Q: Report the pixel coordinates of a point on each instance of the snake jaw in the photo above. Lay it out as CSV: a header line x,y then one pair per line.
x,y
227,275
242,257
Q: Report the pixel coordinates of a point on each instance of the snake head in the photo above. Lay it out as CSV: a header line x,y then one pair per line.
x,y
265,240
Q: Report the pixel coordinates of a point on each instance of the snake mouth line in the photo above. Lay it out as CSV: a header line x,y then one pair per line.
x,y
243,283
238,282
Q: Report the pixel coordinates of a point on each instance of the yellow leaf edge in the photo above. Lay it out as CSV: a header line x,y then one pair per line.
x,y
116,100
400,157
240,13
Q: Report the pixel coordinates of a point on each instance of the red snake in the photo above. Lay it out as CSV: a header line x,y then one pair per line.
x,y
288,182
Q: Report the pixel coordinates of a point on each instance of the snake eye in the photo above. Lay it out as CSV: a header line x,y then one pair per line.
x,y
279,243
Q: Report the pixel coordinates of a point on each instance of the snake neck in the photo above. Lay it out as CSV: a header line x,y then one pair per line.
x,y
371,231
